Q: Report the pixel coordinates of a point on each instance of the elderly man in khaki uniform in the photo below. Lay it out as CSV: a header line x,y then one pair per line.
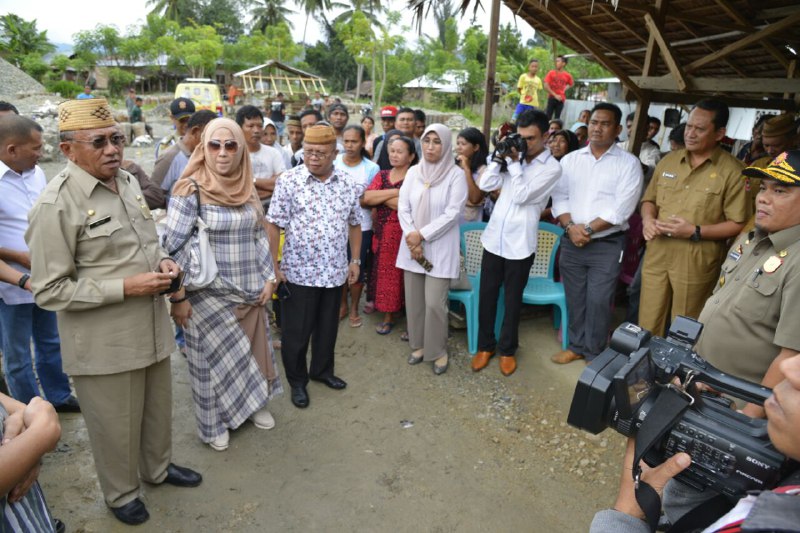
x,y
695,201
751,320
95,260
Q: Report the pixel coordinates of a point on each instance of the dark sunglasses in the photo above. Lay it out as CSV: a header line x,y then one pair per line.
x,y
98,143
230,146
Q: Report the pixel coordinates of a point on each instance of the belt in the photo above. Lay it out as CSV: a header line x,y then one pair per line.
x,y
609,236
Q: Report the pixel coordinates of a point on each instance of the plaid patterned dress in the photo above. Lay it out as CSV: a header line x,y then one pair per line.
x,y
227,385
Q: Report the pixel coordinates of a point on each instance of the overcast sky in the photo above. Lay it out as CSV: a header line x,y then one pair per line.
x,y
63,18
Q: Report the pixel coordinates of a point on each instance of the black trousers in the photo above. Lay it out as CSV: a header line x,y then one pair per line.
x,y
309,314
554,107
513,274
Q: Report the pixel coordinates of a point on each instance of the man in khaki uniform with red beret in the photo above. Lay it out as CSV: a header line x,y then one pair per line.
x,y
694,203
96,261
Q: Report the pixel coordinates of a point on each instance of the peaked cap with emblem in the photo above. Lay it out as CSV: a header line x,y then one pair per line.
x,y
784,168
88,114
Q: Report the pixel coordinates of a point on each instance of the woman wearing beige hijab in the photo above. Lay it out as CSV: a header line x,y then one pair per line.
x,y
232,367
430,205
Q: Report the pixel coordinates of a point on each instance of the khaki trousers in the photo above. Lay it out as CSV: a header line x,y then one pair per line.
x,y
426,313
129,419
678,276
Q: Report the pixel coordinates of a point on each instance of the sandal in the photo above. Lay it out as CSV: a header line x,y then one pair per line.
x,y
355,322
342,314
385,328
404,336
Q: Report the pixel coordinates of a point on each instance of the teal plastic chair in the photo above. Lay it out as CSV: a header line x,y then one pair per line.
x,y
472,249
542,289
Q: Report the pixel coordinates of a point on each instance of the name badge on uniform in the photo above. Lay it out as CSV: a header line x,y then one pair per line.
x,y
99,222
772,264
668,175
734,255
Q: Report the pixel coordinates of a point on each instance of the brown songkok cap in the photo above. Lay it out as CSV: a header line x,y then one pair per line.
x,y
318,134
779,126
87,114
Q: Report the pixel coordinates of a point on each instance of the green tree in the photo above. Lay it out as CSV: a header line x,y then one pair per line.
x,y
224,15
275,43
20,39
268,13
175,10
331,60
197,48
102,42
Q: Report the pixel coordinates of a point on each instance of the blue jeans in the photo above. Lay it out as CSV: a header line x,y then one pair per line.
x,y
21,323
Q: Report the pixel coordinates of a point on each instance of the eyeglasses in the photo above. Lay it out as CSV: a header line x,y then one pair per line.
x,y
313,154
98,143
230,146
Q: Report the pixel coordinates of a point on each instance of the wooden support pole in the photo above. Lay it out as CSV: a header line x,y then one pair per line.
x,y
790,71
666,52
491,67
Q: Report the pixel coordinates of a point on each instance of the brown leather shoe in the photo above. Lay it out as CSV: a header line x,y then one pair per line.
x,y
565,356
508,364
480,360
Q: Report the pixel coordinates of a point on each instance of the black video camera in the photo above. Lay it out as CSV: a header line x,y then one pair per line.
x,y
502,148
731,452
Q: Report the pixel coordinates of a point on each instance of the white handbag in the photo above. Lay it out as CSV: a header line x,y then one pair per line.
x,y
202,267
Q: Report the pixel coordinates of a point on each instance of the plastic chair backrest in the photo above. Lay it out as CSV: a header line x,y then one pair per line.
x,y
471,246
548,240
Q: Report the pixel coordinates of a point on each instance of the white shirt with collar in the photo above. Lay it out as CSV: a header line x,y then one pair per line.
x,y
526,187
607,187
18,193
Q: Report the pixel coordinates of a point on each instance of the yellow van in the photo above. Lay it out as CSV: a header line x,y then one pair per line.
x,y
203,92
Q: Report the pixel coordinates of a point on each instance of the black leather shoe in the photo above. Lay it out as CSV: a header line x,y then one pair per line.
x,y
300,397
332,382
70,406
132,513
59,526
180,476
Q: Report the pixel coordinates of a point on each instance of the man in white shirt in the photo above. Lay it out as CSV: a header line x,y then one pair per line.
x,y
509,241
598,191
267,161
21,183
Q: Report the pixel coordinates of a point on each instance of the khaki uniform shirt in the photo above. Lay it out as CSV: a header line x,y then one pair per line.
x,y
84,239
754,310
709,194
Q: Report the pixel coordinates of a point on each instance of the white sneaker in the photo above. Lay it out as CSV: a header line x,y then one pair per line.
x,y
262,419
221,443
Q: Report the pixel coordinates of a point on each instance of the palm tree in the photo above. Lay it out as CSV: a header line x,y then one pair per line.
x,y
19,38
313,8
270,13
177,10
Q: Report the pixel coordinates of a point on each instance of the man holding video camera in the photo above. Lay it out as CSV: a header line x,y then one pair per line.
x,y
770,510
750,331
509,241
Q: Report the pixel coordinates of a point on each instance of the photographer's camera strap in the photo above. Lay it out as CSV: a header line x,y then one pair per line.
x,y
665,412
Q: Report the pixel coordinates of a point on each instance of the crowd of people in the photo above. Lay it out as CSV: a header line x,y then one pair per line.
x,y
312,213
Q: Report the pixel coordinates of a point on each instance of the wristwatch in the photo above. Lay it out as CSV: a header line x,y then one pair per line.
x,y
588,229
695,237
356,261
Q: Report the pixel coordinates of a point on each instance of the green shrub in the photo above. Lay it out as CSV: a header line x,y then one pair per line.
x,y
67,89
